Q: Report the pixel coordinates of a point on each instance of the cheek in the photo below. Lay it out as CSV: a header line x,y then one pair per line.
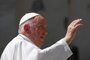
x,y
33,31
41,32
37,32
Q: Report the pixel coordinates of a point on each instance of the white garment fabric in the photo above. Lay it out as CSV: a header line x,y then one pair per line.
x,y
22,48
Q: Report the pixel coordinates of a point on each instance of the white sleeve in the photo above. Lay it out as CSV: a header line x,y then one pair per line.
x,y
58,51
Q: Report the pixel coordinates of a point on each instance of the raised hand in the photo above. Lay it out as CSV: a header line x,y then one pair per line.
x,y
71,30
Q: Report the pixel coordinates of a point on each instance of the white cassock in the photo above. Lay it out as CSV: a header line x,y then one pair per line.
x,y
22,48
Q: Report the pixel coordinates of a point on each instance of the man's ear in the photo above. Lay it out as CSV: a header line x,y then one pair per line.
x,y
26,28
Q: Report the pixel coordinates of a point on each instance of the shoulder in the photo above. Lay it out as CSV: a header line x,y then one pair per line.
x,y
16,43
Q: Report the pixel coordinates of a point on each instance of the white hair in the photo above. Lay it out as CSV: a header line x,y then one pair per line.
x,y
21,27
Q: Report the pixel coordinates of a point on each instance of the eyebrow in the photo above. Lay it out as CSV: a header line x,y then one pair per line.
x,y
39,24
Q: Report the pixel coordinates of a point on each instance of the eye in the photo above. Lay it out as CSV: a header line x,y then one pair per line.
x,y
39,25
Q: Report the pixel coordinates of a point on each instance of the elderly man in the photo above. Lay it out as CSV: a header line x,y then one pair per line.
x,y
32,31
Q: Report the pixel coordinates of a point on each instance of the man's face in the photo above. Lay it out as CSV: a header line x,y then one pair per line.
x,y
39,29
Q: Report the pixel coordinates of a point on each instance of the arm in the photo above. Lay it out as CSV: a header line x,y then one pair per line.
x,y
61,50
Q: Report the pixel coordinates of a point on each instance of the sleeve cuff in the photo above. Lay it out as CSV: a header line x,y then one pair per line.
x,y
66,47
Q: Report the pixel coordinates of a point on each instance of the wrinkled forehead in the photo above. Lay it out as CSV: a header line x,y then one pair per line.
x,y
39,19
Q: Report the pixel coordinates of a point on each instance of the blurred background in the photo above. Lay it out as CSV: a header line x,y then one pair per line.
x,y
58,14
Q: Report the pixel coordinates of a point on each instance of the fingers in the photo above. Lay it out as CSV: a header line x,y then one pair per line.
x,y
78,25
71,31
75,22
78,22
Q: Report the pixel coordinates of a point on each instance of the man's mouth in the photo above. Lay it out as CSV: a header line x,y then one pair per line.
x,y
42,37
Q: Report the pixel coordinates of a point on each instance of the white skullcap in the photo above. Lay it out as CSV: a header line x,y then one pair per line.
x,y
27,16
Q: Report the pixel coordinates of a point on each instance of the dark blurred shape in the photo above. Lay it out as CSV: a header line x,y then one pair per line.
x,y
37,6
69,2
88,6
66,22
75,55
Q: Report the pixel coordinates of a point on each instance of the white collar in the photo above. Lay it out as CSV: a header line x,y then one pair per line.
x,y
25,38
29,40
